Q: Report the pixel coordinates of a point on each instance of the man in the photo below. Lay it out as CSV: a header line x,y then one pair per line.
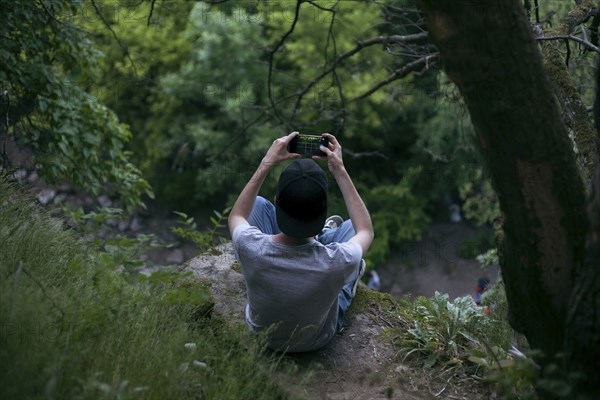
x,y
299,286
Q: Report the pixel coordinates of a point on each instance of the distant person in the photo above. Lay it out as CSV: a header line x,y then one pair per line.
x,y
482,285
301,269
374,282
455,213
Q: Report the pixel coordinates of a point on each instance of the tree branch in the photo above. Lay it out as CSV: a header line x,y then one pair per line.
x,y
121,45
336,78
422,64
151,11
394,39
587,44
271,56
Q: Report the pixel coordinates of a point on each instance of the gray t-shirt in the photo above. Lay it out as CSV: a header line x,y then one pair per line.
x,y
293,290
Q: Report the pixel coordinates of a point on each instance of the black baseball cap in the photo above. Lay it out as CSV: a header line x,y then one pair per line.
x,y
301,203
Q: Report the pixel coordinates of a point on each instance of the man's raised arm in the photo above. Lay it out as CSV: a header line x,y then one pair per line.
x,y
359,215
243,206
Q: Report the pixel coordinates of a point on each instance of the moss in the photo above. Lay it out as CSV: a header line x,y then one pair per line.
x,y
367,299
236,267
575,110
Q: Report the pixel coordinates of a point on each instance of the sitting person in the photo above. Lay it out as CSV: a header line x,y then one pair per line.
x,y
301,269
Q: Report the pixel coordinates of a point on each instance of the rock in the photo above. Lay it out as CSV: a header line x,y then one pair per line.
x,y
176,257
227,286
60,198
20,174
199,364
123,225
104,201
112,222
190,346
136,225
148,270
33,177
45,196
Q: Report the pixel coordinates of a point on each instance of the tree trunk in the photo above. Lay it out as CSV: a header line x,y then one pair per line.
x,y
489,51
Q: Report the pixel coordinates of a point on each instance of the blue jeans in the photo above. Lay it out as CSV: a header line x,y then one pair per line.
x,y
263,217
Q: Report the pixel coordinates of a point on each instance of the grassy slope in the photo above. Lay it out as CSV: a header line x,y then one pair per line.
x,y
74,327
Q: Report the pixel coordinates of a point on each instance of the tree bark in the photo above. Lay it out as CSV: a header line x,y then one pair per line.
x,y
489,51
582,345
575,112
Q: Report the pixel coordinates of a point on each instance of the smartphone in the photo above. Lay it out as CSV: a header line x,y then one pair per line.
x,y
308,145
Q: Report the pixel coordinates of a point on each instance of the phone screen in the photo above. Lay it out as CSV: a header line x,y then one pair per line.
x,y
308,145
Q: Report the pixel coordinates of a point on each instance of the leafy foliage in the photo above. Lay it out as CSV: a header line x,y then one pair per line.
x,y
96,228
205,239
398,215
46,61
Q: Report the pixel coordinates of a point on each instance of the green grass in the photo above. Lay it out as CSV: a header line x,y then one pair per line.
x,y
72,326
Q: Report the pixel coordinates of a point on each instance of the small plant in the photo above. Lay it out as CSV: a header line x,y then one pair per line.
x,y
488,259
206,239
445,331
125,252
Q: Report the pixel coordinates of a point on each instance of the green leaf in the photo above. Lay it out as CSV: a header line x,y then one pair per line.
x,y
430,361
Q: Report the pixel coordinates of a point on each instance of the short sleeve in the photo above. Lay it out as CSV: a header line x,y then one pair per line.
x,y
349,254
238,231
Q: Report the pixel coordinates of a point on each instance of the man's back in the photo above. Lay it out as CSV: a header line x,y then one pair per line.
x,y
294,288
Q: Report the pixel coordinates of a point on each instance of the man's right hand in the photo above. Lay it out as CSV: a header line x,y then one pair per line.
x,y
278,151
334,154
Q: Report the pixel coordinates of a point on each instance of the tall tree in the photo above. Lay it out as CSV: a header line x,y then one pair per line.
x,y
489,51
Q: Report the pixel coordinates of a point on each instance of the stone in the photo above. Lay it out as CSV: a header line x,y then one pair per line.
x,y
176,257
45,196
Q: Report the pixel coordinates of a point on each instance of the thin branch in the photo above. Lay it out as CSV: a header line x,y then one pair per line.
x,y
239,135
121,45
421,64
272,55
336,78
151,11
49,13
394,39
320,6
365,154
585,43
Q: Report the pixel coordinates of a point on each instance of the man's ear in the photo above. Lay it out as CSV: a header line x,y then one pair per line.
x,y
275,199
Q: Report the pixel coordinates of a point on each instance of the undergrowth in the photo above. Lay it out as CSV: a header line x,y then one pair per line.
x,y
456,341
73,325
